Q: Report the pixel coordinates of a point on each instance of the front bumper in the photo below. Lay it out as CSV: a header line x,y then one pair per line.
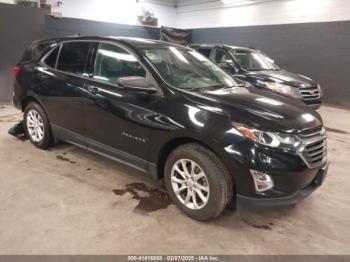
x,y
314,104
253,203
17,96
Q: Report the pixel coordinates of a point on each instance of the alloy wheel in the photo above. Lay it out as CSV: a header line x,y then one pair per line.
x,y
35,125
190,184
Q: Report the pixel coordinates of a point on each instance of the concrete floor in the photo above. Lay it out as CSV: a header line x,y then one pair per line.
x,y
69,201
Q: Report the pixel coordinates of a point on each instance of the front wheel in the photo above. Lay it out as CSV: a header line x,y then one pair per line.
x,y
198,182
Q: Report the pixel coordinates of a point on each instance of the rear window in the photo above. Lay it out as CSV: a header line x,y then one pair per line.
x,y
73,56
52,57
205,51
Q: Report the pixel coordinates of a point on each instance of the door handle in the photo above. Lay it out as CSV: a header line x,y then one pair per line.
x,y
87,75
92,89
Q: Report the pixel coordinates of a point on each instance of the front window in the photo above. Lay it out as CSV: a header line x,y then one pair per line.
x,y
253,60
113,62
222,58
187,69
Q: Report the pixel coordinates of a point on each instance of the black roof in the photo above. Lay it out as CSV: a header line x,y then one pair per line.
x,y
222,46
131,41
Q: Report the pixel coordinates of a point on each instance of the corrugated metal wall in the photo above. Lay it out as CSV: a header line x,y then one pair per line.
x,y
19,26
72,26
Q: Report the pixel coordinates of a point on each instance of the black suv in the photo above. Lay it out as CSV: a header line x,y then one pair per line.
x,y
255,67
169,112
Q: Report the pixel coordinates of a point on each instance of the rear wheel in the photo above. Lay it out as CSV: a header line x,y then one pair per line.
x,y
197,181
37,126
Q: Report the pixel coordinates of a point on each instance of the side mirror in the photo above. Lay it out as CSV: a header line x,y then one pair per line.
x,y
137,84
228,67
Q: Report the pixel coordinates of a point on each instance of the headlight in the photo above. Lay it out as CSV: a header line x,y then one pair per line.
x,y
271,139
281,88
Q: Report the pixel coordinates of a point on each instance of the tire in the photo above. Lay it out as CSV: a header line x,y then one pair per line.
x,y
217,179
40,140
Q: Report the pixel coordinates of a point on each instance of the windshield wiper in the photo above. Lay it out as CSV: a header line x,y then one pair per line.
x,y
217,86
255,69
195,88
264,69
202,88
208,87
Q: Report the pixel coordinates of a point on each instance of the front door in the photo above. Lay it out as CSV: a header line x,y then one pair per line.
x,y
118,121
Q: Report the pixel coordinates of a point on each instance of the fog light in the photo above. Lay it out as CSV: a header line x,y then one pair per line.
x,y
262,181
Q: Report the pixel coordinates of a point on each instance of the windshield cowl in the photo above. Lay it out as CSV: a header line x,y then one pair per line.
x,y
259,70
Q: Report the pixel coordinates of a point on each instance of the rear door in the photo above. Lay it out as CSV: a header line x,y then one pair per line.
x,y
62,85
118,121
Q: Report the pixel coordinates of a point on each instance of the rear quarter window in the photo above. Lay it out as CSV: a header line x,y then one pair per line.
x,y
36,50
51,59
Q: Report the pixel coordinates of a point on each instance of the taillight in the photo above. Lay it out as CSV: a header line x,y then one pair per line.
x,y
15,71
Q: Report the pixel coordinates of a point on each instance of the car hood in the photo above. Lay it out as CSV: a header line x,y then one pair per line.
x,y
260,109
282,76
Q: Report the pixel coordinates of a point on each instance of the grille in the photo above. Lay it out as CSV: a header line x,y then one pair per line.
x,y
315,151
310,93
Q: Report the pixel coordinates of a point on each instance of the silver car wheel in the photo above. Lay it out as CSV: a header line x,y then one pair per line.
x,y
190,184
35,125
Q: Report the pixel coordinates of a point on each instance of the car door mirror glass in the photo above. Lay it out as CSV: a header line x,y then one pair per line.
x,y
136,83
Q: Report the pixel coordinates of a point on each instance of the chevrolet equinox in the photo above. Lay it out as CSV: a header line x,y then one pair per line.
x,y
169,112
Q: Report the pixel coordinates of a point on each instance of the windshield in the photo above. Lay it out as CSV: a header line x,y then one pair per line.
x,y
187,69
254,61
